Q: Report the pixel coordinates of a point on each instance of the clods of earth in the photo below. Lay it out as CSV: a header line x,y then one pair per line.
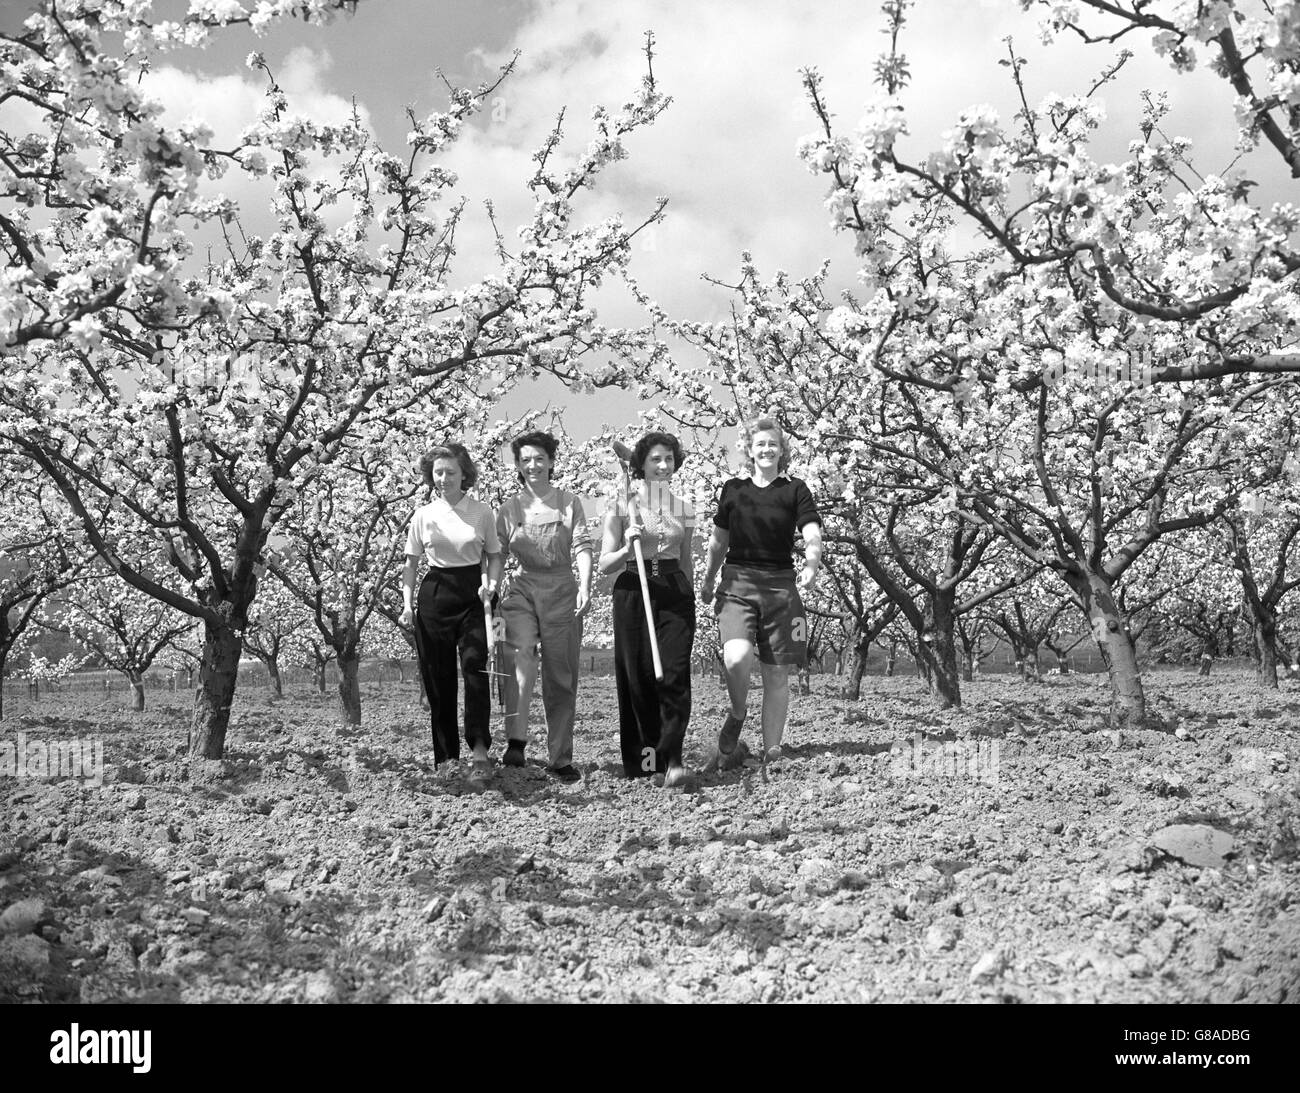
x,y
1014,850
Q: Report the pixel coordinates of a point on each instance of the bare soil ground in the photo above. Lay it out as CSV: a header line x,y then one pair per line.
x,y
1015,850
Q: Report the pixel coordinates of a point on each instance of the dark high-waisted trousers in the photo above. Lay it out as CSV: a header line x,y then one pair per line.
x,y
448,622
652,715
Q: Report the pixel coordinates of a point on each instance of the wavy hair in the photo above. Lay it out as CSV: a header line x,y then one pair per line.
x,y
642,451
766,425
538,439
449,450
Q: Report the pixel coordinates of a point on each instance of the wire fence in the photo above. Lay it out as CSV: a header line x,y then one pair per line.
x,y
1083,658
591,662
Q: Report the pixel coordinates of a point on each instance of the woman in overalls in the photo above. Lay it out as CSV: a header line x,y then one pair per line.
x,y
543,527
652,714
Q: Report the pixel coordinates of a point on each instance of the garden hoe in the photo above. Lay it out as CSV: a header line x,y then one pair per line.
x,y
624,454
496,677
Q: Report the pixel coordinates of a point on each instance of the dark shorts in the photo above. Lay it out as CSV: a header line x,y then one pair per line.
x,y
762,606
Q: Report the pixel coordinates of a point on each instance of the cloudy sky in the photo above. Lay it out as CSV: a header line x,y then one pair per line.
x,y
724,152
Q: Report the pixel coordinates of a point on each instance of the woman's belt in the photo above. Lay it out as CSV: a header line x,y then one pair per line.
x,y
460,570
655,566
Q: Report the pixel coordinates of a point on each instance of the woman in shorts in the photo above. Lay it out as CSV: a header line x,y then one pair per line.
x,y
543,527
758,604
457,536
652,714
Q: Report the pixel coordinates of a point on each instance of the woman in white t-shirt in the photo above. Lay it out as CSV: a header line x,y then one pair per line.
x,y
457,536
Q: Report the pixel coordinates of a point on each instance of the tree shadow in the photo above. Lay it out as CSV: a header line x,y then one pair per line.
x,y
839,748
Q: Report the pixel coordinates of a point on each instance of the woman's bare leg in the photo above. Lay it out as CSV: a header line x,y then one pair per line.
x,y
738,663
776,702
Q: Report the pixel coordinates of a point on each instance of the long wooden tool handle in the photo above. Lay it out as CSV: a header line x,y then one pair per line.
x,y
645,592
491,635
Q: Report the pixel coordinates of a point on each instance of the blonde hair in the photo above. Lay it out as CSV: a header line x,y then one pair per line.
x,y
766,425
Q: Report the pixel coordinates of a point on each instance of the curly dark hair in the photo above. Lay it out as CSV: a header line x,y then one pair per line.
x,y
449,450
642,451
545,441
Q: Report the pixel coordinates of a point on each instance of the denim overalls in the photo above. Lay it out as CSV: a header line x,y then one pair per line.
x,y
538,608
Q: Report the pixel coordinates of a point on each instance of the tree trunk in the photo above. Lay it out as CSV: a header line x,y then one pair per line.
x,y
349,688
6,643
1265,634
891,658
968,667
1128,705
273,670
218,676
137,691
1266,645
1033,670
939,653
854,689
1207,658
320,676
1062,664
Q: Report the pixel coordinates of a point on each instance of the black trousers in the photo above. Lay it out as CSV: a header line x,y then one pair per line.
x,y
449,621
652,715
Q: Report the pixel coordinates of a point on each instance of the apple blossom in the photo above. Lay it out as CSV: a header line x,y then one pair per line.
x,y
213,405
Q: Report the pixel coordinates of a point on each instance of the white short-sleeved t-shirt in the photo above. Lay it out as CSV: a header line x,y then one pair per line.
x,y
453,535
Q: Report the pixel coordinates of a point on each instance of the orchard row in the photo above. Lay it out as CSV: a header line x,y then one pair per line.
x,y
968,416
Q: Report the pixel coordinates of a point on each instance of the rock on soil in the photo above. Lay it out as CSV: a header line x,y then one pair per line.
x,y
22,917
1194,844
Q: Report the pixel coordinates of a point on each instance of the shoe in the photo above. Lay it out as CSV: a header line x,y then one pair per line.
x,y
730,734
774,754
480,773
566,773
514,756
677,775
735,759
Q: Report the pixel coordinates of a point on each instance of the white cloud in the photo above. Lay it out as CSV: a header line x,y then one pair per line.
x,y
228,104
724,153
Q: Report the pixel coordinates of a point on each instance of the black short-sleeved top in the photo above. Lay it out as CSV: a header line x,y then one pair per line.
x,y
762,521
